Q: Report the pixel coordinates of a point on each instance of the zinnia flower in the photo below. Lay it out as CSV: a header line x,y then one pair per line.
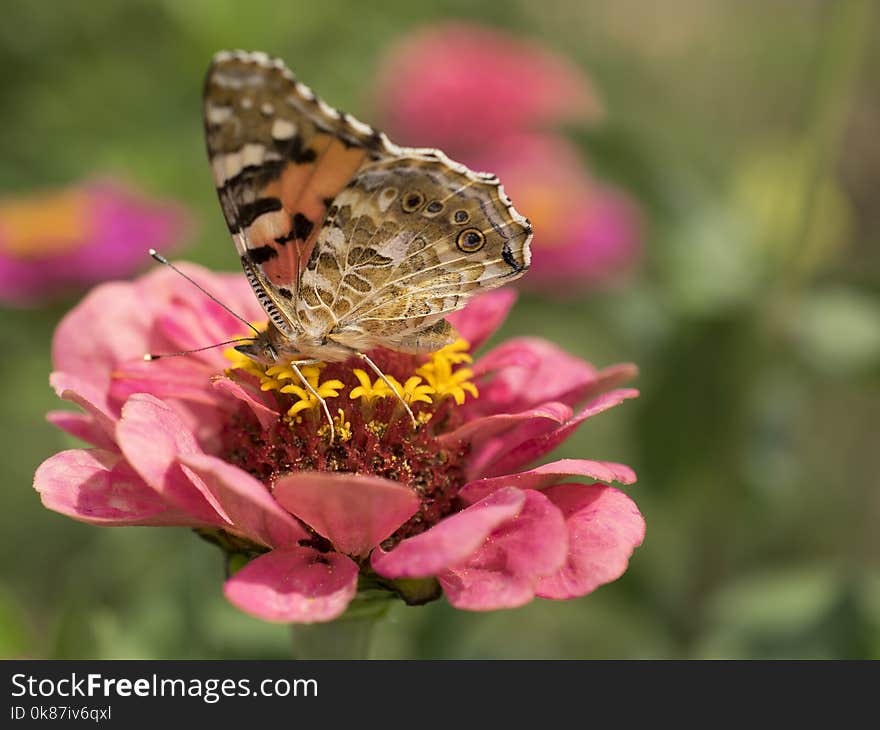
x,y
66,239
241,452
494,101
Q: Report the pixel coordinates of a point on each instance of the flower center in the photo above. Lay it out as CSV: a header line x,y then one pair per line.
x,y
45,225
374,434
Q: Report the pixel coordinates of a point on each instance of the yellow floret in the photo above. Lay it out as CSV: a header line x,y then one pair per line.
x,y
369,390
439,374
414,391
343,427
307,400
240,361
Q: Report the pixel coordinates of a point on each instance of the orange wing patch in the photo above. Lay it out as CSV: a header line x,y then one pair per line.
x,y
304,191
279,157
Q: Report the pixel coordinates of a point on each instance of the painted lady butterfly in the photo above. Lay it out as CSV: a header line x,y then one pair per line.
x,y
349,241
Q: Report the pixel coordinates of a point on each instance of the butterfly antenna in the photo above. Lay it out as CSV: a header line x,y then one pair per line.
x,y
162,260
151,357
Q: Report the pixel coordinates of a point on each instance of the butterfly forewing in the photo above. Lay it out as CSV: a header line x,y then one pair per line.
x,y
278,156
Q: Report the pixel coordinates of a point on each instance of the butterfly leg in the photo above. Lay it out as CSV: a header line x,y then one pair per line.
x,y
308,386
391,387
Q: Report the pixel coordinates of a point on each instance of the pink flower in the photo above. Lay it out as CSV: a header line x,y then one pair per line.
x,y
78,236
458,86
244,454
490,99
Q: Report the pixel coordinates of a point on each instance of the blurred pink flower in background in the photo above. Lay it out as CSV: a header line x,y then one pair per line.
x,y
243,453
58,241
492,101
457,86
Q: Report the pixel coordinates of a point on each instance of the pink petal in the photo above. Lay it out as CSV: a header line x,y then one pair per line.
x,y
100,488
526,450
247,502
451,541
492,437
610,377
485,313
266,415
504,572
152,437
524,372
297,585
354,511
604,526
544,476
117,322
185,318
205,422
179,377
86,395
231,289
487,430
82,426
480,589
126,319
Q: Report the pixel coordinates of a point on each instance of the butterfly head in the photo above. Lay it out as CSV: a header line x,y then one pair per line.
x,y
260,350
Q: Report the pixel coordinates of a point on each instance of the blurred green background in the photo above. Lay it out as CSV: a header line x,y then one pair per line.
x,y
747,131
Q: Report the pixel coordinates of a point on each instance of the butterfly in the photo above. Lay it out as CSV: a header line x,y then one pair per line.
x,y
349,241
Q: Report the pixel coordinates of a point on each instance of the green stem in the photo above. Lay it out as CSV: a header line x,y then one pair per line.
x,y
348,637
340,639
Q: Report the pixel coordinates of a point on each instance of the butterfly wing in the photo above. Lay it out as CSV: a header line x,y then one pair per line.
x,y
279,156
411,238
343,235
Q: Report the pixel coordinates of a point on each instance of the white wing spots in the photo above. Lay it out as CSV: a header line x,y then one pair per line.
x,y
219,167
252,153
283,129
225,81
335,239
358,126
267,109
228,166
218,114
304,91
386,198
267,227
246,102
326,109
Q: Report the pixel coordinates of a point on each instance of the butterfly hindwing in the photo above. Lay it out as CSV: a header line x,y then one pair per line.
x,y
409,240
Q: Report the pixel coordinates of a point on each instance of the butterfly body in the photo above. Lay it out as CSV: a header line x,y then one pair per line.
x,y
349,241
